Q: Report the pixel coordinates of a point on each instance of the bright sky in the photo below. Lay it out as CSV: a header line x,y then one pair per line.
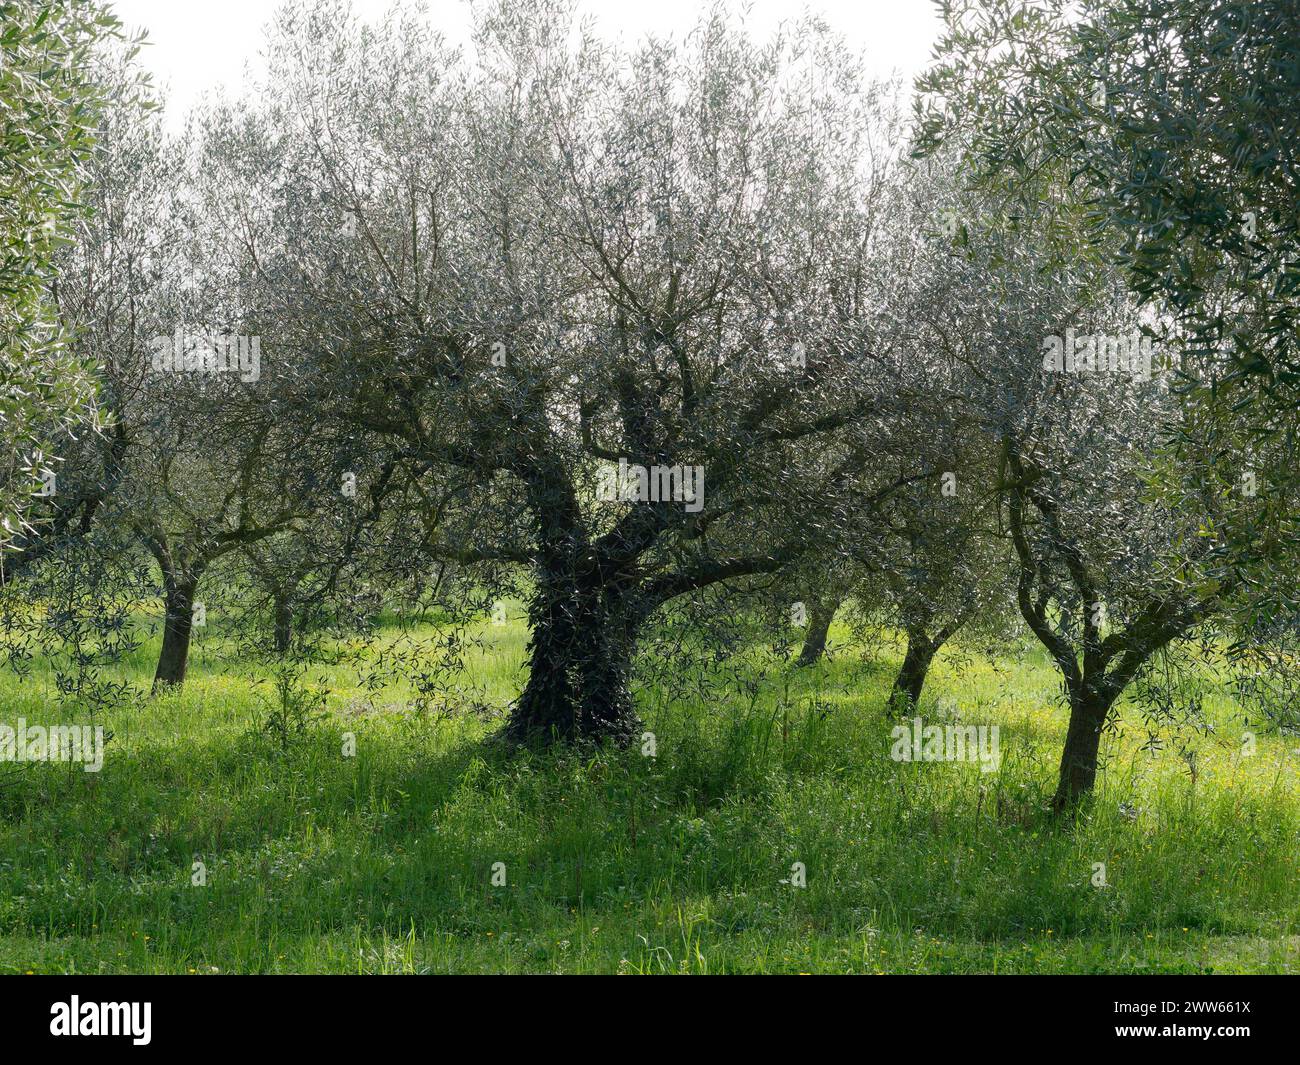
x,y
198,45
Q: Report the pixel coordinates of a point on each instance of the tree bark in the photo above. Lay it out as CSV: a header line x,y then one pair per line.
x,y
607,710
1089,708
283,623
177,628
906,693
582,622
580,655
819,623
547,707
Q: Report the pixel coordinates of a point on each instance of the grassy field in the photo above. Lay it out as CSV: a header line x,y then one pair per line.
x,y
616,862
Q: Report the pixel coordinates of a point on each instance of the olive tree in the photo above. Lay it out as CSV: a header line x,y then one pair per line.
x,y
628,311
1074,393
204,456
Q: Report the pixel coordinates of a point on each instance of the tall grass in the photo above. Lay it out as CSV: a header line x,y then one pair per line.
x,y
617,862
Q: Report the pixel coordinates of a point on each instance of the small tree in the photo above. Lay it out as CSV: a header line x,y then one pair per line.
x,y
940,569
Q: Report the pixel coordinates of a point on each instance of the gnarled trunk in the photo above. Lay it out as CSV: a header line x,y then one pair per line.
x,y
582,624
178,625
1089,708
580,656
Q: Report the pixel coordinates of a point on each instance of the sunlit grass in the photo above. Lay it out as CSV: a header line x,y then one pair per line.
x,y
382,862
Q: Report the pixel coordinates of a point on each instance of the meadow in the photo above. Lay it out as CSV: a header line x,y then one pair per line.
x,y
616,862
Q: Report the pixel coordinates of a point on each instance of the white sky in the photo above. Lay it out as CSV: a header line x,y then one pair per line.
x,y
197,45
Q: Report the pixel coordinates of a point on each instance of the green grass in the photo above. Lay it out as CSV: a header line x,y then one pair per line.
x,y
620,863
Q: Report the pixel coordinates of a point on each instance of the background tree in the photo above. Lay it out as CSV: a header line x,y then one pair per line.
x,y
1168,126
1177,120
940,570
1108,572
203,455
1121,128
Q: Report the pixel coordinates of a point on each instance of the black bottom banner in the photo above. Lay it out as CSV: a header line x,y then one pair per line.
x,y
143,1014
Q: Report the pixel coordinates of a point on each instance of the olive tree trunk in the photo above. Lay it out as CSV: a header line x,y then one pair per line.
x,y
178,625
819,624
